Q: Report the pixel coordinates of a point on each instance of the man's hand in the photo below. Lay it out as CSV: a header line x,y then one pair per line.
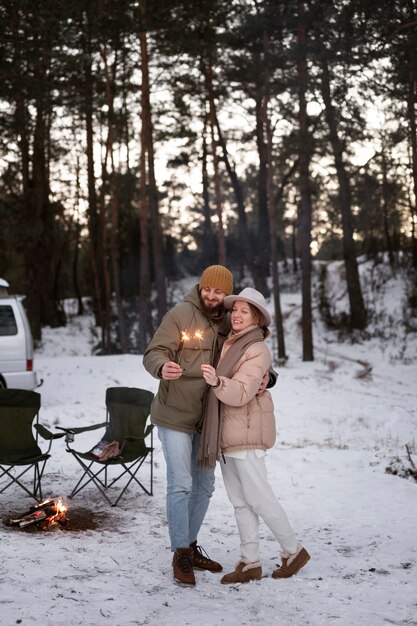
x,y
171,371
264,382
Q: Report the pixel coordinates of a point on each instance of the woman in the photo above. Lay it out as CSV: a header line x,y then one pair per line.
x,y
246,429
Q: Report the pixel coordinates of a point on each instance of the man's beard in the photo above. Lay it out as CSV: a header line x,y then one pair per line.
x,y
211,312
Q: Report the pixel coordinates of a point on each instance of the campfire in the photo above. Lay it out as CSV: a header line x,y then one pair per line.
x,y
43,516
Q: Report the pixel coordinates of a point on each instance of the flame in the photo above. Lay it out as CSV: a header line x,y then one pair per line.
x,y
199,335
59,515
185,336
60,507
44,515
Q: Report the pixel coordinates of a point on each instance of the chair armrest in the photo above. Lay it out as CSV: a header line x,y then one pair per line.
x,y
133,445
70,432
46,434
147,432
81,429
132,439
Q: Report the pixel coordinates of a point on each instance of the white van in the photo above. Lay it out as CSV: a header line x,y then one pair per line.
x,y
16,344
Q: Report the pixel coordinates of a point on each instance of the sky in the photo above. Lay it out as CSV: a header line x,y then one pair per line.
x,y
337,432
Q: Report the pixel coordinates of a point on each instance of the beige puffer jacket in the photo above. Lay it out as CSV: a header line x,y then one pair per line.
x,y
248,421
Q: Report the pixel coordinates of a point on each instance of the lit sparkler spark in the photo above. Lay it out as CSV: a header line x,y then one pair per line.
x,y
199,335
184,338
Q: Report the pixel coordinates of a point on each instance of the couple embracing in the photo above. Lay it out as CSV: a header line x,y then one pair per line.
x,y
214,366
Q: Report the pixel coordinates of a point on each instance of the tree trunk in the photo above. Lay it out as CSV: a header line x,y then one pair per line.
x,y
305,207
272,211
208,73
39,257
411,107
75,283
244,238
294,246
146,117
104,252
104,257
93,218
208,256
114,203
145,318
37,211
21,113
261,260
156,232
357,306
385,204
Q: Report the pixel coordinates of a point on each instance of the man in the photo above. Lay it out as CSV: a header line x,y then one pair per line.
x,y
190,334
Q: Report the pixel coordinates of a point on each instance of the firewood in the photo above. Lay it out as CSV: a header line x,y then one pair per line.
x,y
42,505
33,519
36,515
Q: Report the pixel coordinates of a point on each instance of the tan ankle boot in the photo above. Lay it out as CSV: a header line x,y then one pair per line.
x,y
291,563
243,573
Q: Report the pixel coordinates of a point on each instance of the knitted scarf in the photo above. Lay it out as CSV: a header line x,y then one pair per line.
x,y
209,449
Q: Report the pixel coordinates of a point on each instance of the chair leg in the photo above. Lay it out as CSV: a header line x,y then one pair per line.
x,y
89,476
36,493
150,453
37,478
129,470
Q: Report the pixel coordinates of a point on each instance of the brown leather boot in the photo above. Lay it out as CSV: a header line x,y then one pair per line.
x,y
182,564
291,563
243,573
201,559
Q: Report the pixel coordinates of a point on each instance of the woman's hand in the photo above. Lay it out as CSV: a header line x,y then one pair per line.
x,y
210,376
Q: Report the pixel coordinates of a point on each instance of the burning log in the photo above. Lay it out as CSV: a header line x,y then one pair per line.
x,y
44,515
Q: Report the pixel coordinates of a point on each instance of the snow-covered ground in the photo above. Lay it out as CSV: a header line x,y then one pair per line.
x,y
340,423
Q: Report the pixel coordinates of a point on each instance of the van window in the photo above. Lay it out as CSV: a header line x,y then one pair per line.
x,y
8,324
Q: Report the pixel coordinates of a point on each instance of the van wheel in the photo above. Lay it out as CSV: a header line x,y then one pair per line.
x,y
2,383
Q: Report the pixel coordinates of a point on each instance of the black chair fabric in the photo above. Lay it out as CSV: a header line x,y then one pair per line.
x,y
127,412
19,430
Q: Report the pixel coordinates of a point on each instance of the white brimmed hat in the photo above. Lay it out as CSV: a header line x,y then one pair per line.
x,y
253,297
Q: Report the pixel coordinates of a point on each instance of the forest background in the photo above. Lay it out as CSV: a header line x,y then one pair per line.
x,y
143,140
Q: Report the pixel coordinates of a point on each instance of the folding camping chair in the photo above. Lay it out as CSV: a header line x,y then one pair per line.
x,y
127,411
19,449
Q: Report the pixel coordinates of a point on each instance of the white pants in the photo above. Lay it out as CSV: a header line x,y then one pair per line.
x,y
251,494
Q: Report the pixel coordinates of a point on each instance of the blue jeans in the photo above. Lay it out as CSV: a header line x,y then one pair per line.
x,y
188,489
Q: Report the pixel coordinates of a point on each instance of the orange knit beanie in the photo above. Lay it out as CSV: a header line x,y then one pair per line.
x,y
217,277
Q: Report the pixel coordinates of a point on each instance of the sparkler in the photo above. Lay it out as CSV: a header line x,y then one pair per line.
x,y
184,337
199,335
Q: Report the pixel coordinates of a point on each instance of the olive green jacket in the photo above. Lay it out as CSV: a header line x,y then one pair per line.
x,y
178,403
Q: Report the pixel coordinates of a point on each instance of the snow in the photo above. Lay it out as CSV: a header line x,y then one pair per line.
x,y
340,424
